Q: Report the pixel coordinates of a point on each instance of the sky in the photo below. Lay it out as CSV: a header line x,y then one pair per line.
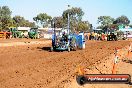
x,y
92,8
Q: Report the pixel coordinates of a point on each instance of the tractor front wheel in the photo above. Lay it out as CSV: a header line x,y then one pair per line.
x,y
51,49
69,49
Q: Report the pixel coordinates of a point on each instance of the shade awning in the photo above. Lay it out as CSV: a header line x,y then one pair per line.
x,y
126,29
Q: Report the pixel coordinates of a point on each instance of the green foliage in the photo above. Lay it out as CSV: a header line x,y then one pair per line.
x,y
76,22
113,26
5,17
122,20
105,20
20,21
83,26
6,21
109,22
59,22
75,14
43,18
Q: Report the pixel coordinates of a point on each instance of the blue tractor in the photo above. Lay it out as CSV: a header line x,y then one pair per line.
x,y
67,42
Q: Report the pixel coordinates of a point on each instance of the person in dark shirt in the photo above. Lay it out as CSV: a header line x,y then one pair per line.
x,y
65,37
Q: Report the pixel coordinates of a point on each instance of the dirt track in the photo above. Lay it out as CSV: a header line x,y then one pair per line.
x,y
33,66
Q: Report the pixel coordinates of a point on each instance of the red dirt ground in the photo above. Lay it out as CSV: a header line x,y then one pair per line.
x,y
33,66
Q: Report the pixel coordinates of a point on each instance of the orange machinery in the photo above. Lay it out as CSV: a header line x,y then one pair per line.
x,y
5,35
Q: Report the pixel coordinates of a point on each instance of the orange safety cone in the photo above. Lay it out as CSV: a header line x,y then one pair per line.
x,y
114,69
81,70
115,64
129,50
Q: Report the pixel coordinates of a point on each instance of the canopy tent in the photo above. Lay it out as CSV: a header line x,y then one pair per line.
x,y
125,29
98,29
127,32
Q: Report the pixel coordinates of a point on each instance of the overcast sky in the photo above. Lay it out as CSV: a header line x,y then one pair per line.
x,y
92,8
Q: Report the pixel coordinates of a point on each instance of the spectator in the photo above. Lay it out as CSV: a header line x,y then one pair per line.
x,y
95,36
99,37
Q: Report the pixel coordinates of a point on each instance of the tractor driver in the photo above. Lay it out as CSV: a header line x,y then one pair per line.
x,y
65,37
